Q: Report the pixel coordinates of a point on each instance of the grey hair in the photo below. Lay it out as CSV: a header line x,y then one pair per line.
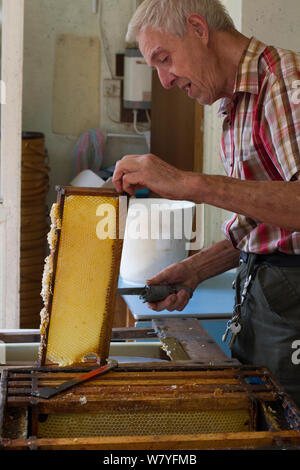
x,y
169,16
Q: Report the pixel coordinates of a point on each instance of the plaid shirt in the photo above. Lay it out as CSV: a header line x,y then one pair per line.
x,y
261,138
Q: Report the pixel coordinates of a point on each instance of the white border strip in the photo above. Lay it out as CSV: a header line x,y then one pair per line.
x,y
11,148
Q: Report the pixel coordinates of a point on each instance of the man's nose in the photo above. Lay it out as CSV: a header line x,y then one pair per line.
x,y
167,79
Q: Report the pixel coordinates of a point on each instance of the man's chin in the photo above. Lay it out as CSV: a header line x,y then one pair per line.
x,y
205,101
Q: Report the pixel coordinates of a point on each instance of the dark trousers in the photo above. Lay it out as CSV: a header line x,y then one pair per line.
x,y
270,319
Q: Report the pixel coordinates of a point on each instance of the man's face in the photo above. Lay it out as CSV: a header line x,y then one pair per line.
x,y
186,62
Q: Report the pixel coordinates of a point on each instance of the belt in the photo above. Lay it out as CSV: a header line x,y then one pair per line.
x,y
277,259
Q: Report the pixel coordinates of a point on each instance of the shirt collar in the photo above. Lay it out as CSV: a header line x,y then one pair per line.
x,y
247,78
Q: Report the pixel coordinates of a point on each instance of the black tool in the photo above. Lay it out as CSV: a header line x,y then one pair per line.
x,y
153,294
48,392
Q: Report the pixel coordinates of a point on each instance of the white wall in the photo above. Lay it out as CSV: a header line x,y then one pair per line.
x,y
12,64
44,20
275,22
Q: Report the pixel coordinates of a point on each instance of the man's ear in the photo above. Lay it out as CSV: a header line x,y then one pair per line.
x,y
198,24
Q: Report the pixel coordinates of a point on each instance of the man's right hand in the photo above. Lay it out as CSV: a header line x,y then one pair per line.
x,y
190,272
179,273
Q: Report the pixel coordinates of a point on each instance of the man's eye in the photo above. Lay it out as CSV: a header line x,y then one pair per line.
x,y
165,59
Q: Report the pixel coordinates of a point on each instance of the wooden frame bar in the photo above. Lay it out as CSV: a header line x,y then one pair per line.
x,y
187,339
48,307
219,441
118,334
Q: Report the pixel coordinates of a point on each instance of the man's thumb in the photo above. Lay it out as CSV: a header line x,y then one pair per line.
x,y
158,279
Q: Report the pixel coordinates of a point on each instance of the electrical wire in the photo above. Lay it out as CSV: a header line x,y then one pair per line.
x,y
95,6
144,133
135,112
105,47
148,116
108,113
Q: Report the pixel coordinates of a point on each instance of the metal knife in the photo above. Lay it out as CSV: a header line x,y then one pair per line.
x,y
154,293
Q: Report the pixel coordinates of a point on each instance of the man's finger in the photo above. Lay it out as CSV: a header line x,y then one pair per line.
x,y
123,167
131,183
118,178
164,277
165,304
182,300
173,302
159,279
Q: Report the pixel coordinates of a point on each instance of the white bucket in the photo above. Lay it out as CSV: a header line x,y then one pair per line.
x,y
157,235
88,179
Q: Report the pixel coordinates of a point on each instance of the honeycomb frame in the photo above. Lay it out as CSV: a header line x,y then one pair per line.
x,y
50,271
149,406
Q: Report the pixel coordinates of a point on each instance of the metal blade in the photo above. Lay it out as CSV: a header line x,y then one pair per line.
x,y
131,291
156,293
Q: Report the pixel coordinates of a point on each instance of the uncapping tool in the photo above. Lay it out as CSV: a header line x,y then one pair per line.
x,y
49,392
154,293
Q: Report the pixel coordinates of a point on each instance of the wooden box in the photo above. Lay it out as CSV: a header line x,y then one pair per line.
x,y
176,405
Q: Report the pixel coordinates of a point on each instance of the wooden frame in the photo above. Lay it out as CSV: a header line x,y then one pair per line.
x,y
218,441
198,376
275,421
63,192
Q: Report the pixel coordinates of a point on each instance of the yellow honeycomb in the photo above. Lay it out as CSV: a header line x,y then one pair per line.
x,y
83,281
144,423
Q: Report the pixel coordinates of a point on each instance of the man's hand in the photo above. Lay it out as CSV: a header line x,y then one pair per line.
x,y
178,273
190,272
135,172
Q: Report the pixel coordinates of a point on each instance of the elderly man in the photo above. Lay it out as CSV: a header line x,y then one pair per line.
x,y
193,45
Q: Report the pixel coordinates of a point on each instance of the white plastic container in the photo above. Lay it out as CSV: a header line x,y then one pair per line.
x,y
157,235
88,179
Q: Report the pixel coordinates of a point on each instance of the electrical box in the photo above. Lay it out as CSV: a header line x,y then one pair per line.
x,y
137,81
